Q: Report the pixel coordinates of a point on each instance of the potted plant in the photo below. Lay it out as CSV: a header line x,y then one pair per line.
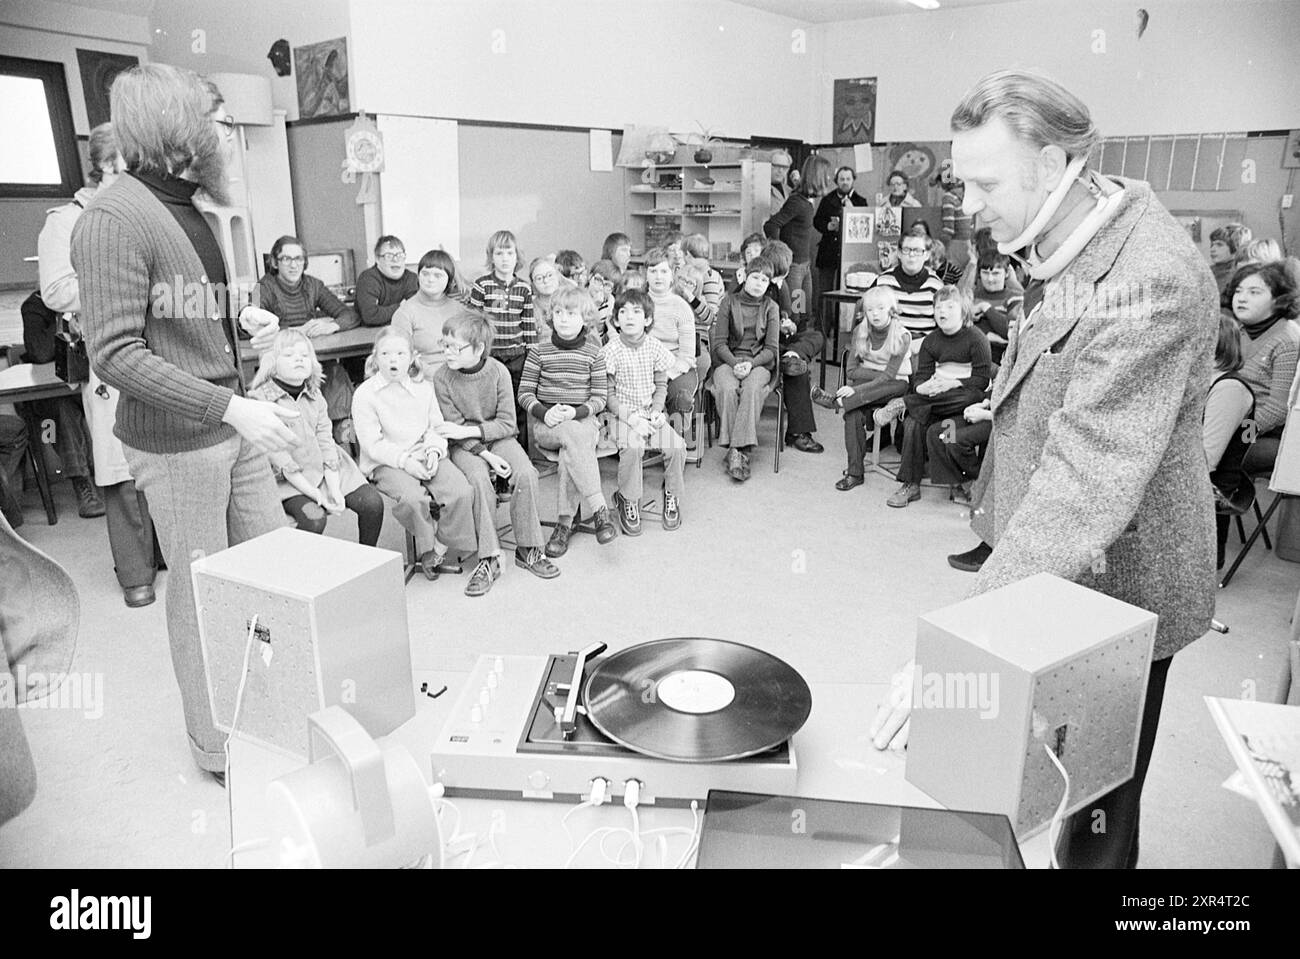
x,y
704,143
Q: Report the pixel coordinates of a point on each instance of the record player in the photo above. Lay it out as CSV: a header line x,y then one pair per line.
x,y
678,716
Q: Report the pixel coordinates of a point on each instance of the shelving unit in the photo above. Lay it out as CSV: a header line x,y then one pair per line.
x,y
735,205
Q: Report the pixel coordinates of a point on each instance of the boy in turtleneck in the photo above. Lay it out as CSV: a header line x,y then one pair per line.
x,y
475,395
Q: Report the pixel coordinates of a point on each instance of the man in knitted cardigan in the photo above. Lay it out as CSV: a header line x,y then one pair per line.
x,y
160,319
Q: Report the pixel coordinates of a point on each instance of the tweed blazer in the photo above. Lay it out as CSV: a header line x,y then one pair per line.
x,y
1097,471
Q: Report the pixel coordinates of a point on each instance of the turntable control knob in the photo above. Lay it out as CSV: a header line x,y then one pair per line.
x,y
498,665
538,780
492,681
476,714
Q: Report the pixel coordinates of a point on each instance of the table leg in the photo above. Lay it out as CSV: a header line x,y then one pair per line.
x,y
35,448
821,377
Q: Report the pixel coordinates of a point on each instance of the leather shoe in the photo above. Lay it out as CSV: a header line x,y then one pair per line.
x,y
848,482
804,443
971,560
135,596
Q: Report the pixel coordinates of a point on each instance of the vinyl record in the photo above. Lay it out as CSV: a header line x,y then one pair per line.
x,y
696,700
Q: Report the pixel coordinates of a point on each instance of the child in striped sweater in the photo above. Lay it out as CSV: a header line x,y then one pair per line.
x,y
563,391
508,302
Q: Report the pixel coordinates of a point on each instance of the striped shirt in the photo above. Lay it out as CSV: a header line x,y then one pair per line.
x,y
706,302
956,224
638,375
573,375
509,306
915,297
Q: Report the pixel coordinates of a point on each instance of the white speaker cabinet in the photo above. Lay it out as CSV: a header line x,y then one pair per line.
x,y
1039,662
331,630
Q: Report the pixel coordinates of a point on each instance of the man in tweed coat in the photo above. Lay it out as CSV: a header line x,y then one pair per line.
x,y
1097,472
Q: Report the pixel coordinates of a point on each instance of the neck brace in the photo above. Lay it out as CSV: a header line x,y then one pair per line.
x,y
1078,238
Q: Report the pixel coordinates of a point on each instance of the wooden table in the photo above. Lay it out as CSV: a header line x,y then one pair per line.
x,y
22,385
335,346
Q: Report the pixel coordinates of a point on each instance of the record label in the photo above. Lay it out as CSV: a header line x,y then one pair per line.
x,y
696,700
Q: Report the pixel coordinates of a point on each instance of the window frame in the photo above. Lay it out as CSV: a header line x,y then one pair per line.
x,y
53,75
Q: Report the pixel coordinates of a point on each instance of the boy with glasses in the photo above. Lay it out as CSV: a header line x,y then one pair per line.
x,y
382,288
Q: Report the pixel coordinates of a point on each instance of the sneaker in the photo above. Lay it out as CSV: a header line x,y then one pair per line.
x,y
431,563
605,531
487,572
744,466
733,463
792,364
672,513
823,398
558,544
971,560
629,515
960,494
535,561
889,412
89,503
907,493
345,433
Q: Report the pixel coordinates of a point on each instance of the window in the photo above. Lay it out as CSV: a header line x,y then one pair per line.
x,y
38,152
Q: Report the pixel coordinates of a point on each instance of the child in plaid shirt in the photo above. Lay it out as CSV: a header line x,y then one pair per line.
x,y
638,367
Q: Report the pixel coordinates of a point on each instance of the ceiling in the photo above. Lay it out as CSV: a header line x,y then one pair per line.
x,y
828,11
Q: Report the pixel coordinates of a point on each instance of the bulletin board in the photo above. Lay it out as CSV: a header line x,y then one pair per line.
x,y
857,239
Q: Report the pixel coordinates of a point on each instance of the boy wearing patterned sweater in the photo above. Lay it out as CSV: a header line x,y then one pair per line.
x,y
563,391
478,404
638,366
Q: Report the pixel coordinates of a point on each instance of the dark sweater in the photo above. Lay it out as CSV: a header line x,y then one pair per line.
x,y
832,205
747,328
483,397
176,375
378,297
968,347
792,225
295,305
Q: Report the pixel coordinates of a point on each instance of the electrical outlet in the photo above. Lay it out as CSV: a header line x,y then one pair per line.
x,y
1287,200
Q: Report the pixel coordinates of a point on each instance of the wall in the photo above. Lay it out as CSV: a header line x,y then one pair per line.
x,y
54,31
1201,66
586,63
325,208
237,35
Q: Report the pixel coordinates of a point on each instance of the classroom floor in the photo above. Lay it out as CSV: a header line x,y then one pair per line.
x,y
832,582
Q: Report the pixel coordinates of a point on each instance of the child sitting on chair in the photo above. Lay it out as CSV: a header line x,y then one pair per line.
x,y
475,395
880,362
563,391
397,415
315,476
638,366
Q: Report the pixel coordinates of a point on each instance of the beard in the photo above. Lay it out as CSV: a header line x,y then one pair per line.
x,y
207,168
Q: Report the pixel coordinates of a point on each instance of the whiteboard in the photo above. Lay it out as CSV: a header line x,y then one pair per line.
x,y
420,185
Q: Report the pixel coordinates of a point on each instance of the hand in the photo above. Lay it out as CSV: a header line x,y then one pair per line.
x,y
890,727
833,225
658,420
980,307
456,431
262,424
742,369
496,463
844,392
640,426
254,318
412,462
567,412
789,327
553,417
319,327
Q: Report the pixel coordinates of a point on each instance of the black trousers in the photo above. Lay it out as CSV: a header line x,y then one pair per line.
x,y
1104,834
515,365
921,412
958,460
365,501
798,389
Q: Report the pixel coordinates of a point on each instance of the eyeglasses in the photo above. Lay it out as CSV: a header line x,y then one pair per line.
x,y
290,260
227,122
913,250
449,347
544,277
394,256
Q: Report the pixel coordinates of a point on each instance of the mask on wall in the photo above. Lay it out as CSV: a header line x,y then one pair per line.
x,y
279,57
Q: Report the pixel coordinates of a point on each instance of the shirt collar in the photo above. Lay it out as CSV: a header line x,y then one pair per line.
x,y
405,383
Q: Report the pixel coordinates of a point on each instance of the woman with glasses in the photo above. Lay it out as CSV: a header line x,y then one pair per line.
x,y
384,287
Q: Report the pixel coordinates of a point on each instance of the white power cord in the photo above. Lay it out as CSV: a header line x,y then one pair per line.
x,y
234,721
1054,829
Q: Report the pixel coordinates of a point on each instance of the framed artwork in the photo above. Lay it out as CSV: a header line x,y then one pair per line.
x,y
854,110
322,78
889,222
858,225
98,71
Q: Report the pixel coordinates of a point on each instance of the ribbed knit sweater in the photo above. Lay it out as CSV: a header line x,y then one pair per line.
x,y
1269,367
378,297
562,371
674,327
137,270
792,225
308,298
484,398
963,355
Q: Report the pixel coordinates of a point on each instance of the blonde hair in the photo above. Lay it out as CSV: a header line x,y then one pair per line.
x,y
416,370
897,338
283,340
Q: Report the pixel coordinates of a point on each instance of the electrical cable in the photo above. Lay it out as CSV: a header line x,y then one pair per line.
x,y
1054,830
234,720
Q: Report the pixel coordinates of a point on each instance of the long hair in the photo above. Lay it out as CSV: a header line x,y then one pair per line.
x,y
161,117
818,178
1280,283
416,370
441,259
897,338
1227,352
498,240
282,341
101,149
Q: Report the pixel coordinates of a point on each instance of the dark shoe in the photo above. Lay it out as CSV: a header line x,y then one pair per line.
x,y
89,503
848,481
804,443
136,596
971,560
535,561
629,515
960,494
907,493
672,516
792,364
487,572
605,531
558,544
732,464
822,398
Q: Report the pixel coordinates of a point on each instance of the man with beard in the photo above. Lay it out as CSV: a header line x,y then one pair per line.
x,y
826,222
195,445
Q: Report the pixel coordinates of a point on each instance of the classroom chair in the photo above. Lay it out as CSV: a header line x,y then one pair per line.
x,y
774,386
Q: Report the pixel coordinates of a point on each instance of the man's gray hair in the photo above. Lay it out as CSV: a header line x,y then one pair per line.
x,y
1035,107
